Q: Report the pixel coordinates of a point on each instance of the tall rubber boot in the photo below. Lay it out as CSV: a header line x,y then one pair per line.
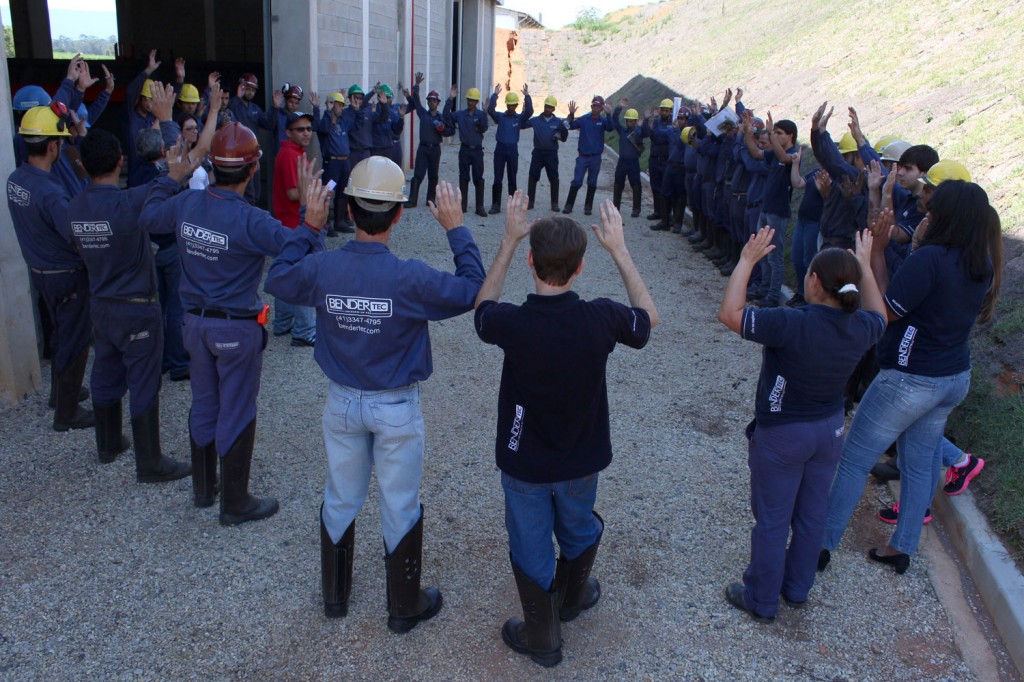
x,y
151,466
236,504
67,414
432,192
725,244
734,258
717,250
414,193
531,192
709,231
204,473
679,213
407,603
336,568
616,196
464,189
636,202
656,213
478,186
554,196
571,199
661,208
110,442
577,591
539,634
83,394
513,185
588,205
495,199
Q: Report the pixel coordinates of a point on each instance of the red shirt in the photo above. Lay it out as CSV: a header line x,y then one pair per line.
x,y
286,177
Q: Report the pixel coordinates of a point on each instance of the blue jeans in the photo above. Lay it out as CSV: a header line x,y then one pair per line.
x,y
772,266
300,320
533,511
911,410
367,430
805,246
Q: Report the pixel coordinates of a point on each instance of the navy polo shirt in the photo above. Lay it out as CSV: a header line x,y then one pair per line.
x,y
548,131
553,400
937,304
812,204
809,354
778,190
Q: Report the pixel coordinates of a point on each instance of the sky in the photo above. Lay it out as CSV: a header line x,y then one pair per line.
x,y
559,14
73,18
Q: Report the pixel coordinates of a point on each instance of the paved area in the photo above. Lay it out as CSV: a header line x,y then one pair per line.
x,y
104,578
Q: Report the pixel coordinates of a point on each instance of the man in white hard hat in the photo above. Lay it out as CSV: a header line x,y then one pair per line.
x,y
372,310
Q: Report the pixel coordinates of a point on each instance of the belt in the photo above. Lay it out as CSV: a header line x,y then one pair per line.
x,y
430,144
739,194
220,314
141,300
472,146
659,157
337,158
596,154
53,272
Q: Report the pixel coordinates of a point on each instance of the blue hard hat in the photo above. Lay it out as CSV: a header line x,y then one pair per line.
x,y
30,96
83,115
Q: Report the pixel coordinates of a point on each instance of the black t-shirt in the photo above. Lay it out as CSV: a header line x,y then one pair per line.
x,y
553,401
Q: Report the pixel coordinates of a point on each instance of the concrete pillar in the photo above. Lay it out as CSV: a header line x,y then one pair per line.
x,y
30,21
19,358
294,48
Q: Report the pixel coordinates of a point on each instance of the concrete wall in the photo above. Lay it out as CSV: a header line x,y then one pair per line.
x,y
207,30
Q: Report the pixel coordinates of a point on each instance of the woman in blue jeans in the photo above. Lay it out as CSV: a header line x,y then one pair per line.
x,y
949,281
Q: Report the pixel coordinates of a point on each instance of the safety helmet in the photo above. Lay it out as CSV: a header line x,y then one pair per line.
x,y
847,144
511,98
434,95
355,90
189,93
894,150
945,170
83,115
250,80
335,97
598,100
30,96
45,122
147,88
550,101
473,94
684,112
631,115
234,146
387,91
885,140
291,91
757,123
666,104
686,134
378,178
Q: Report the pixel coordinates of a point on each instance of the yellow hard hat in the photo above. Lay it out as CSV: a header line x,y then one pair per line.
x,y
550,101
473,94
847,144
42,122
894,150
147,88
378,178
189,93
945,170
511,98
631,115
686,134
336,97
885,140
666,104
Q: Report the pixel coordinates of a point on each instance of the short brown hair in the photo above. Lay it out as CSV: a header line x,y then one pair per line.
x,y
558,245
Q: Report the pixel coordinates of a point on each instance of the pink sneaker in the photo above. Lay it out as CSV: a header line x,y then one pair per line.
x,y
957,479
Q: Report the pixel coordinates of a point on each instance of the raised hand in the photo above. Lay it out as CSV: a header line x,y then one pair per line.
x,y
454,92
448,207
516,227
874,175
881,224
109,77
85,79
314,99
863,243
823,181
314,196
214,77
610,233
179,69
163,101
739,95
497,88
816,117
153,64
623,102
278,99
797,156
306,175
854,124
419,77
179,164
850,188
759,245
572,108
73,67
526,89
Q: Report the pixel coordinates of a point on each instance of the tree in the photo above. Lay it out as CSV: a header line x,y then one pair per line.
x,y
8,41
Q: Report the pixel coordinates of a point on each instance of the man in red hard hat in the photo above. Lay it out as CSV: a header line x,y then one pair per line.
x,y
252,116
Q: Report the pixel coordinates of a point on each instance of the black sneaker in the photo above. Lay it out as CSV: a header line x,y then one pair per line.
x,y
892,514
958,478
303,343
734,595
886,470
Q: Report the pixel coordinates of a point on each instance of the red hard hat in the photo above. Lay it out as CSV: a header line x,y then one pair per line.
x,y
433,95
250,80
234,146
290,91
597,100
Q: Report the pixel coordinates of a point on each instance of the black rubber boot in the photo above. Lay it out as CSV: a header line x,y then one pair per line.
x,y
479,189
67,414
414,193
709,230
656,213
513,185
151,466
577,591
531,192
636,202
678,209
734,258
83,394
554,196
236,504
432,193
407,603
698,228
661,207
495,199
464,188
616,196
110,442
336,568
539,634
571,199
204,473
588,205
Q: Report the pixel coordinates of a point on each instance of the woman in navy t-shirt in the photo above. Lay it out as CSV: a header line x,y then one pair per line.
x,y
797,435
933,300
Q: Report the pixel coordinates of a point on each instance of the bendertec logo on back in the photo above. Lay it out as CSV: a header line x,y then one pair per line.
x,y
203,236
358,305
100,229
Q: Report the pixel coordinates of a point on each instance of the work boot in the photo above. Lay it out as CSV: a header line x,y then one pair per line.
x,y
407,603
67,414
83,393
577,591
636,202
554,196
204,473
588,205
571,199
414,193
539,634
656,214
531,192
432,193
236,504
151,466
495,199
661,207
336,568
464,189
478,186
110,442
678,209
616,195
698,229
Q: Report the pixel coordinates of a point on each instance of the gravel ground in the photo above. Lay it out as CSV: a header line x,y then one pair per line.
x,y
104,578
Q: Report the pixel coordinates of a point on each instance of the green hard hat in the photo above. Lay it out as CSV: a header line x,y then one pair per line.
x,y
355,90
388,92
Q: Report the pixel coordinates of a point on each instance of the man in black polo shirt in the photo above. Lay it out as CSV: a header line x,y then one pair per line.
x,y
553,433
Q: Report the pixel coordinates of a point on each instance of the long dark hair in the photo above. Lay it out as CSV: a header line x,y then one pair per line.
x,y
835,268
963,218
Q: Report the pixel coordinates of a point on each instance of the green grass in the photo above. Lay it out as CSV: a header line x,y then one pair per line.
x,y
86,57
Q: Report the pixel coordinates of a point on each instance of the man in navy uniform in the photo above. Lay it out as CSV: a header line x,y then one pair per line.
x,y
590,147
548,131
332,130
506,145
433,129
471,123
251,115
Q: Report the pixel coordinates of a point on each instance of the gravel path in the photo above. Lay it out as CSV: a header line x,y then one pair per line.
x,y
103,578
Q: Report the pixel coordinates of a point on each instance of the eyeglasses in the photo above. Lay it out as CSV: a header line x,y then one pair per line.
x,y
303,129
189,129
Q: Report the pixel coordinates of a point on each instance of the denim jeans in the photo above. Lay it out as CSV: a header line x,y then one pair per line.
x,y
168,278
772,266
533,511
300,320
367,430
805,246
911,410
